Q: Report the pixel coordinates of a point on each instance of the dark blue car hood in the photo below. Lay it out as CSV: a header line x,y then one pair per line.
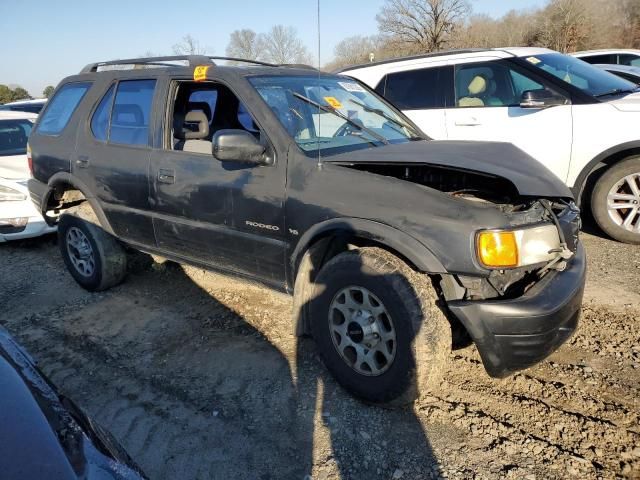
x,y
44,435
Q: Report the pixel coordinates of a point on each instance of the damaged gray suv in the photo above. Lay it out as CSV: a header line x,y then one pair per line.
x,y
392,244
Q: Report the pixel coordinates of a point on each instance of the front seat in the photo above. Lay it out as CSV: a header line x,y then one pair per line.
x,y
476,88
193,134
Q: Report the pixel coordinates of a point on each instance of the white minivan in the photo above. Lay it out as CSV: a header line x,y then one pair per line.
x,y
581,122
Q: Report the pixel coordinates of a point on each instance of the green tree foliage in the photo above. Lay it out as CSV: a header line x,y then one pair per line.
x,y
48,91
7,94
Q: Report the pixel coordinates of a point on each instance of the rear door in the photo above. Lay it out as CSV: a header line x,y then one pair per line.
x,y
422,93
487,107
112,157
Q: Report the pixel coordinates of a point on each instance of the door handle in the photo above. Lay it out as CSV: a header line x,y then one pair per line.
x,y
166,176
82,161
468,122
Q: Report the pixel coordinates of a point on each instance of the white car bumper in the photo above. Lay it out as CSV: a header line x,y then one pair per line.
x,y
20,218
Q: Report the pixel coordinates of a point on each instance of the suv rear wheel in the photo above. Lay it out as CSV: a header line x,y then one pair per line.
x,y
95,259
378,327
615,202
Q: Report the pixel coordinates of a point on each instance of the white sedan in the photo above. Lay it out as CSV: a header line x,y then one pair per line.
x,y
18,216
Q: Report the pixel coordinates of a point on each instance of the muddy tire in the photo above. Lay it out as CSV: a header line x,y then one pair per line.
x,y
95,259
615,202
378,327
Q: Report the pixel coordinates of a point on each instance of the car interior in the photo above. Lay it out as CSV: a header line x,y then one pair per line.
x,y
202,109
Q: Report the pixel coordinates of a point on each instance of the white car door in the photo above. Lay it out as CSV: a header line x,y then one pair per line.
x,y
487,107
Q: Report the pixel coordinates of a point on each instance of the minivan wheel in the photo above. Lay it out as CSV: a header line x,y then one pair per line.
x,y
95,259
378,327
615,202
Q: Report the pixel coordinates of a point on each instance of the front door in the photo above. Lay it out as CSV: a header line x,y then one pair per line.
x,y
112,157
224,214
487,107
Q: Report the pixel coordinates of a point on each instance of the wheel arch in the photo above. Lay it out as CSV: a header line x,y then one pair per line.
x,y
590,173
327,239
63,182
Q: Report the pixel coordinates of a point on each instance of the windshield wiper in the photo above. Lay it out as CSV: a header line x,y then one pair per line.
x,y
338,114
389,118
616,91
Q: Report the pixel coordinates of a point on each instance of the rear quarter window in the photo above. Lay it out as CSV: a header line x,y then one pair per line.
x,y
61,107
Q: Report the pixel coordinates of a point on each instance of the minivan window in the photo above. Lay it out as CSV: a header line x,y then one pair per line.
x,y
60,108
131,112
418,89
100,119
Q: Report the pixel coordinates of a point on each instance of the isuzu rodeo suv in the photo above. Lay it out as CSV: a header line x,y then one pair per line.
x,y
311,183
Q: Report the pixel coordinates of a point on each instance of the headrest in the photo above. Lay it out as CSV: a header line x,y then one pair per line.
x,y
128,114
195,126
202,106
478,85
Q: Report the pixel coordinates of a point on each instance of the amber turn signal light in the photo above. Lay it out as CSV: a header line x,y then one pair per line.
x,y
498,249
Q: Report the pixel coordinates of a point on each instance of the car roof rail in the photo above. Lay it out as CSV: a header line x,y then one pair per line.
x,y
193,60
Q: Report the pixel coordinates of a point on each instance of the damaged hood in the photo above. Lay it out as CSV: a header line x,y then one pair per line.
x,y
498,159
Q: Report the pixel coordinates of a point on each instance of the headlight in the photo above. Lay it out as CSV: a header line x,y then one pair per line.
x,y
11,195
517,248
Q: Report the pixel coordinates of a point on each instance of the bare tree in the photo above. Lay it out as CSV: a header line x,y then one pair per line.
x,y
188,46
282,45
566,26
424,25
246,44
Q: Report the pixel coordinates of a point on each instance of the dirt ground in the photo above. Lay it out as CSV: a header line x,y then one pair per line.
x,y
200,376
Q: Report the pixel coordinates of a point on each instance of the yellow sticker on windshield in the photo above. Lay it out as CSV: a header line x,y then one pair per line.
x,y
333,101
200,73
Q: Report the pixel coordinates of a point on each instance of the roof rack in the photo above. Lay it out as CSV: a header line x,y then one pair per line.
x,y
193,60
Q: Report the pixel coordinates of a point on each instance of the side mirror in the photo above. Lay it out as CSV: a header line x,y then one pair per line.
x,y
238,146
541,99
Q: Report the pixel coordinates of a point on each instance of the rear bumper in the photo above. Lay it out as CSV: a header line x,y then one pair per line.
x,y
37,192
514,334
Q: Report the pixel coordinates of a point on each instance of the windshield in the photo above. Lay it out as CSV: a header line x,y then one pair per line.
x,y
329,113
586,77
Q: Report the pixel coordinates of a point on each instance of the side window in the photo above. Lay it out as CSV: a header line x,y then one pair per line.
x,y
599,59
200,110
521,83
416,89
131,112
61,107
100,119
629,59
491,84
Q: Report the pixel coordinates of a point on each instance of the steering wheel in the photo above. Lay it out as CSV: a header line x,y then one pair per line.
x,y
345,129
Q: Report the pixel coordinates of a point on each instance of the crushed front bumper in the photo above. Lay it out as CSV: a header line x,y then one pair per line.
x,y
517,333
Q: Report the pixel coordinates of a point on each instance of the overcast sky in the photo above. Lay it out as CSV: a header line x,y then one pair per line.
x,y
46,40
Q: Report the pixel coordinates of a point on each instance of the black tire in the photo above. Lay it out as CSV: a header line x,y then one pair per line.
x,y
599,202
107,256
423,334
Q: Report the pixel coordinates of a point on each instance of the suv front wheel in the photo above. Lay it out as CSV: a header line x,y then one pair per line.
x,y
95,259
377,326
615,202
